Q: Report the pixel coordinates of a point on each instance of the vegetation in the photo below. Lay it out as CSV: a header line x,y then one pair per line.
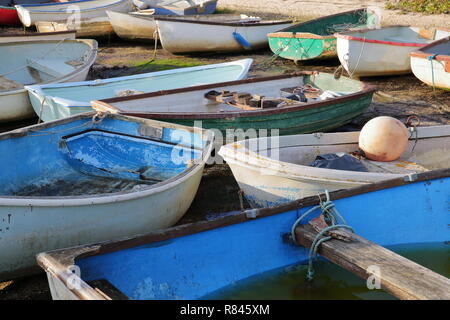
x,y
166,64
423,6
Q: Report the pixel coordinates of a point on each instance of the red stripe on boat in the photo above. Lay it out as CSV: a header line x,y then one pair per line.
x,y
392,43
9,17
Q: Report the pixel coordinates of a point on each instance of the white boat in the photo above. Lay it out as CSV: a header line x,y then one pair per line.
x,y
58,101
384,51
275,170
141,25
178,7
32,62
431,64
210,34
70,11
87,28
37,36
93,177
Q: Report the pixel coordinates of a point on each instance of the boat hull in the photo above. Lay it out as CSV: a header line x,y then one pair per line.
x,y
30,225
92,28
132,27
70,35
183,37
50,106
431,64
262,238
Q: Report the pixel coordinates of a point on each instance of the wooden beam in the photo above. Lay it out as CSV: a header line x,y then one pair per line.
x,y
398,276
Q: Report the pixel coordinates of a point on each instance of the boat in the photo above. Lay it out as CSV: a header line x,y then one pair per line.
x,y
37,36
93,177
178,7
141,25
202,259
431,64
272,171
384,51
315,39
8,13
225,34
97,28
29,14
44,61
57,101
254,104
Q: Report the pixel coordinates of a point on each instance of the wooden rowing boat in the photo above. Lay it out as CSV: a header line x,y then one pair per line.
x,y
37,36
172,264
384,51
315,38
431,64
62,100
93,178
271,171
44,61
254,104
97,28
29,14
178,7
215,34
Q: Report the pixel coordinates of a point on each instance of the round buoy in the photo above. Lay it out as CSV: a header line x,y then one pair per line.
x,y
383,139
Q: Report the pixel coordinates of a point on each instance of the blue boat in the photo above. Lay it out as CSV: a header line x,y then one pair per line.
x,y
194,260
90,178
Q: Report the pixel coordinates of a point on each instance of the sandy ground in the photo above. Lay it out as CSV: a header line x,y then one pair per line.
x,y
316,8
399,96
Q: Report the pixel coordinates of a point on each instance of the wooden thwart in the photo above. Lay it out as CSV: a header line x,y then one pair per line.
x,y
399,276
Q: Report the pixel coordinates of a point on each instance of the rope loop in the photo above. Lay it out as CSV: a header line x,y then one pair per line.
x,y
334,220
98,117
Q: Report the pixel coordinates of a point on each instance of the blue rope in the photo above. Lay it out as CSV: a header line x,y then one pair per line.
x,y
332,217
431,58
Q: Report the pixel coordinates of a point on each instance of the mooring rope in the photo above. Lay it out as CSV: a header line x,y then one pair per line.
x,y
332,217
431,58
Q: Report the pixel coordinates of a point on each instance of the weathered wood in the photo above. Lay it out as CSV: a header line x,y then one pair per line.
x,y
399,276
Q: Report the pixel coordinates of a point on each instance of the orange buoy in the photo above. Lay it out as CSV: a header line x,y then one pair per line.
x,y
383,139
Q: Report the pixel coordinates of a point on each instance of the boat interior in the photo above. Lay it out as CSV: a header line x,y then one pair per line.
x,y
83,158
442,48
34,62
402,34
421,155
252,96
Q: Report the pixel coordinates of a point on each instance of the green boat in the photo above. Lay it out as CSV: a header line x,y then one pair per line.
x,y
303,102
315,38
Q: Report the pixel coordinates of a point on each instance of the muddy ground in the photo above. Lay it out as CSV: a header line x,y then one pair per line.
x,y
400,97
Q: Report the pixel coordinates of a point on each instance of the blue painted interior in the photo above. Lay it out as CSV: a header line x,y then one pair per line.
x,y
77,149
192,266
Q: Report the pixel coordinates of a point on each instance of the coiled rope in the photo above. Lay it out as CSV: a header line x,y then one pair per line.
x,y
335,221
